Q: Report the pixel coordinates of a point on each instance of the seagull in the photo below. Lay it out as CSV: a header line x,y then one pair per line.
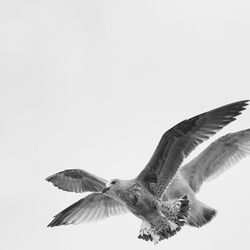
x,y
159,195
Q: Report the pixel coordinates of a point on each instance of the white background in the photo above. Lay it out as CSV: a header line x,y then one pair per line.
x,y
93,85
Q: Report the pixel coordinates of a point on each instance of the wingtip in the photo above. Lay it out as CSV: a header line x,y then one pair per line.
x,y
57,221
242,103
53,224
247,100
242,106
49,225
232,110
53,179
49,178
245,103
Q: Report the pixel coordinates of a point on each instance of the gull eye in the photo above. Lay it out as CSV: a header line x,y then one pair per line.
x,y
113,182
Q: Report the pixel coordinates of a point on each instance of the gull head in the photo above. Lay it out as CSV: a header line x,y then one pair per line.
x,y
113,184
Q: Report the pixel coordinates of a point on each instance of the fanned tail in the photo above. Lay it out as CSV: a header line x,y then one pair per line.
x,y
181,208
200,214
174,213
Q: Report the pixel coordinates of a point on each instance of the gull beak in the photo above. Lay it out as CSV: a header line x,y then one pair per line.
x,y
105,189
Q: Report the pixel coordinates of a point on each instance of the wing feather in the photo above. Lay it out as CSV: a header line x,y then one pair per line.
x,y
179,141
93,207
77,180
216,158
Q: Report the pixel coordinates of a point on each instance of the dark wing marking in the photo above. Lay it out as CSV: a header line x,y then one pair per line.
x,y
179,141
77,180
217,158
95,206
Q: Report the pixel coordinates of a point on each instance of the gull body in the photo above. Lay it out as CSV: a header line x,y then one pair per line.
x,y
157,215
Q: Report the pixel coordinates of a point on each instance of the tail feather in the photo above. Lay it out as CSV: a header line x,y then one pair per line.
x,y
200,215
175,215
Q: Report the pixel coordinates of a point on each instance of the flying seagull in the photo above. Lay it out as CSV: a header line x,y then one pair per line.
x,y
146,196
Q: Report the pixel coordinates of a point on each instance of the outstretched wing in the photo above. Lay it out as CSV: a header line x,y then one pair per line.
x,y
179,141
77,180
216,158
95,206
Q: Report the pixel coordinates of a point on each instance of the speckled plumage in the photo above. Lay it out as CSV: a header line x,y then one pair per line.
x,y
159,195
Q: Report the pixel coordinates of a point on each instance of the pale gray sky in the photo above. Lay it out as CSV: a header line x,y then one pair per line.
x,y
93,85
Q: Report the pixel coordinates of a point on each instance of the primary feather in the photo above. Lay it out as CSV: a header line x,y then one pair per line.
x,y
93,207
178,142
